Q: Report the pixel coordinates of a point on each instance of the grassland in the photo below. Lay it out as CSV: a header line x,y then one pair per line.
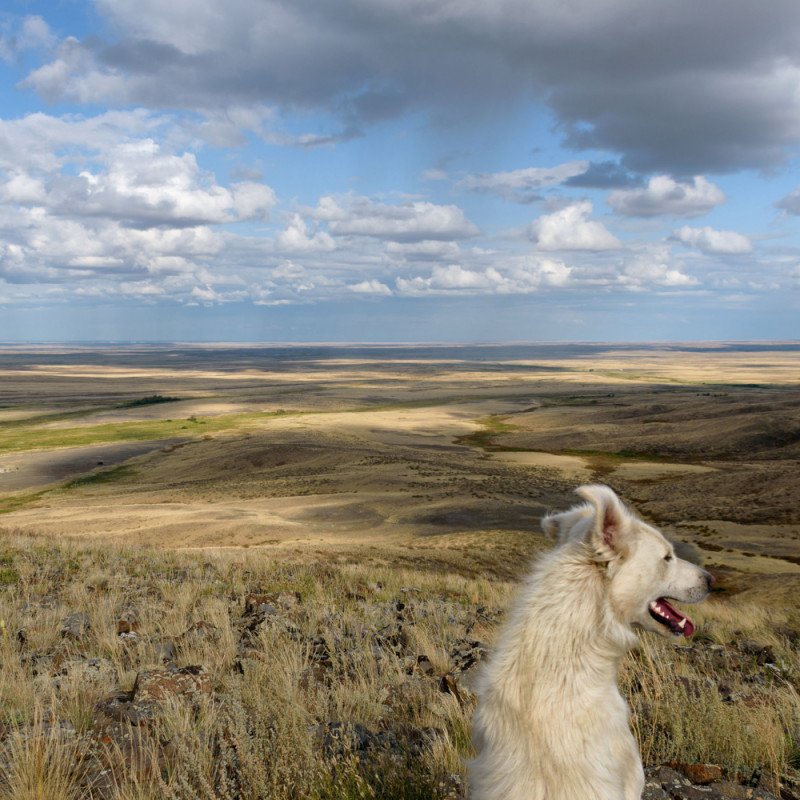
x,y
382,503
335,690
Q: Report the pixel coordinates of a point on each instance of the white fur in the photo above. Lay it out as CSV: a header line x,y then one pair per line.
x,y
551,723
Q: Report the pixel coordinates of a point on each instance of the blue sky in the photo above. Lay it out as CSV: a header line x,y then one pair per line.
x,y
399,170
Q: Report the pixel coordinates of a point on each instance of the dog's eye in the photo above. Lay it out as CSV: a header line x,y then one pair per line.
x,y
668,557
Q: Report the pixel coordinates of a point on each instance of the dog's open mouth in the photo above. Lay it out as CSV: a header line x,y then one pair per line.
x,y
661,611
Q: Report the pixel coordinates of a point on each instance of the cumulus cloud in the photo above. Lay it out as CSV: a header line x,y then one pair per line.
x,y
571,229
521,185
675,93
411,221
663,196
297,238
711,241
112,167
517,277
651,266
370,287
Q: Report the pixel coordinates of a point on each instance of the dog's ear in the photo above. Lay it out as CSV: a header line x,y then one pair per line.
x,y
551,527
610,528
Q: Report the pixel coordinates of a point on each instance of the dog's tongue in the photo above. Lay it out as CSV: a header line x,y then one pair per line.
x,y
668,615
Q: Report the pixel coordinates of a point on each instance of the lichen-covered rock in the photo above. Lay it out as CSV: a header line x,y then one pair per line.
x,y
159,683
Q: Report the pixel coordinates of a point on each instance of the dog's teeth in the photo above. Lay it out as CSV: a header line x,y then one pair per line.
x,y
682,623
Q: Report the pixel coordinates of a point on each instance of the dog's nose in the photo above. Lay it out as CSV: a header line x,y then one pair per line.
x,y
711,581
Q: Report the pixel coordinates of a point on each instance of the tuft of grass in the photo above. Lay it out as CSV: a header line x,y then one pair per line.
x,y
40,763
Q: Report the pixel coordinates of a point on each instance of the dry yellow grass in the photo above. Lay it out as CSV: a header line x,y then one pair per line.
x,y
268,730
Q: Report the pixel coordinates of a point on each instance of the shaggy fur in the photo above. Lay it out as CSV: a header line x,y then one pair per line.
x,y
551,723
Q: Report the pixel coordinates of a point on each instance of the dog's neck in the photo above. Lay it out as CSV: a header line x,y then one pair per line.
x,y
571,592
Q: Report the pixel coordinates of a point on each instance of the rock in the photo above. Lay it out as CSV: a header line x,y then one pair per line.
x,y
452,683
669,779
762,653
392,638
768,782
257,603
451,787
160,683
790,784
466,653
121,708
419,664
695,793
76,627
127,621
200,632
699,773
88,671
166,652
733,791
653,791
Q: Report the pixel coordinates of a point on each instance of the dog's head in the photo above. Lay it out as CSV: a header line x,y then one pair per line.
x,y
643,571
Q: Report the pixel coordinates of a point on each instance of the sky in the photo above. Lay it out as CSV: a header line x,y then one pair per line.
x,y
399,170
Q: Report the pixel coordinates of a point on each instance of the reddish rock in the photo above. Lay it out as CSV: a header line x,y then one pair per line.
x,y
699,773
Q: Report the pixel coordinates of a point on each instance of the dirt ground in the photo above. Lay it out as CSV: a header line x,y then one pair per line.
x,y
412,446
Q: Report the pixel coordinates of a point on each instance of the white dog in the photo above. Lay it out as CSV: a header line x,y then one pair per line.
x,y
551,723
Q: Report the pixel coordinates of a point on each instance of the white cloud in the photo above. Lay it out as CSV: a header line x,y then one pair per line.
x,y
571,229
520,185
426,250
515,277
370,287
102,168
665,196
651,267
252,200
411,221
297,238
712,241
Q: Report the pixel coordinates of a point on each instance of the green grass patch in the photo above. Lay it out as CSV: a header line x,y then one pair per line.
x,y
103,476
8,575
16,502
36,438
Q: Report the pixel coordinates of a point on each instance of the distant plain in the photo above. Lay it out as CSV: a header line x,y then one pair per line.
x,y
405,454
